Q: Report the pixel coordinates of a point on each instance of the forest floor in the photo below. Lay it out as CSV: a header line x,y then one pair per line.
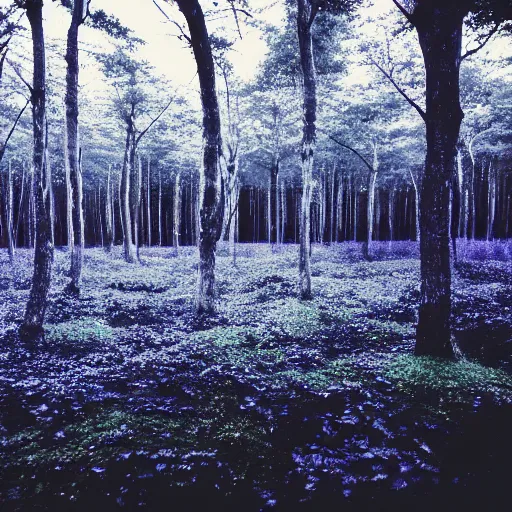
x,y
273,403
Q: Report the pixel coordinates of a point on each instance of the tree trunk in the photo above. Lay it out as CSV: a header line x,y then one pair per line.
x,y
462,196
391,213
472,193
284,215
148,202
439,26
332,224
31,210
372,180
100,220
159,207
71,149
176,215
120,201
49,190
416,206
32,326
108,213
20,204
129,254
137,218
10,213
304,24
112,211
356,209
491,202
233,225
210,207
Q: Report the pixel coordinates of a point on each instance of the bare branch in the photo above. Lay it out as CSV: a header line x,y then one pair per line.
x,y
186,36
350,149
4,146
236,18
401,91
20,76
162,112
482,44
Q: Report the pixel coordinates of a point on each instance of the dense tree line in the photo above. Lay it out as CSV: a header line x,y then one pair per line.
x,y
300,155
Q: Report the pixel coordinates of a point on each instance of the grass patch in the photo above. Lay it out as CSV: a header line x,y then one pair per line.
x,y
442,375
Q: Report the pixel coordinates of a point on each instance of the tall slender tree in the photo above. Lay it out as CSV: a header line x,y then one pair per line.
x,y
211,201
307,11
32,326
71,148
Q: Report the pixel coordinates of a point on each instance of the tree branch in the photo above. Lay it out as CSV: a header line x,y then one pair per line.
x,y
186,36
404,12
4,146
401,91
162,112
236,18
350,149
481,45
20,76
2,60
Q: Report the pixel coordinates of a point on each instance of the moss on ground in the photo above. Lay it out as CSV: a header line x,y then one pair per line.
x,y
444,375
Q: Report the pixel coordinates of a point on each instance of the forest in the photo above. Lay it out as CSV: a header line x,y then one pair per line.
x,y
255,254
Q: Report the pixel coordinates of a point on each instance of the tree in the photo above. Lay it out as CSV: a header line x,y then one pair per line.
x,y
439,25
307,11
32,326
134,85
71,148
210,200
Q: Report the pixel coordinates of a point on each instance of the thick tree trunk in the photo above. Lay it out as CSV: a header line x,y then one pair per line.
x,y
211,200
439,26
304,24
71,150
32,326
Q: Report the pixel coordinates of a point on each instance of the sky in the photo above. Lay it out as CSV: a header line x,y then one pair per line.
x,y
171,56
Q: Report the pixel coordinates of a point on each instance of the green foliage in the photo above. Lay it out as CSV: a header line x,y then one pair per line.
x,y
443,375
83,330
